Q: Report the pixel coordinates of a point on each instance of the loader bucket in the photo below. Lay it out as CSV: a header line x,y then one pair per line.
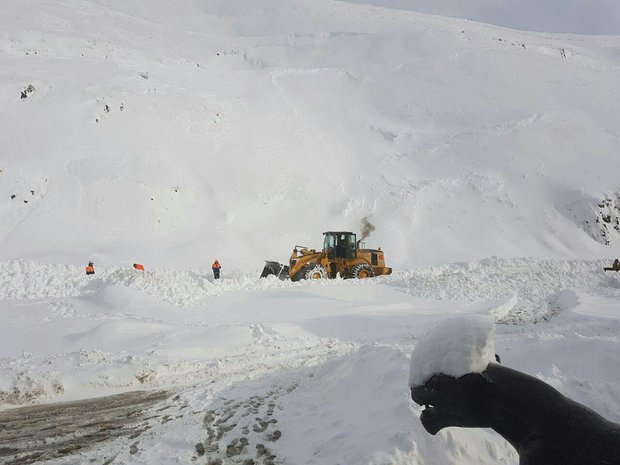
x,y
275,268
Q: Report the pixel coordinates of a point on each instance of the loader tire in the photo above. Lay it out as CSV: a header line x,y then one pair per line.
x,y
314,272
362,271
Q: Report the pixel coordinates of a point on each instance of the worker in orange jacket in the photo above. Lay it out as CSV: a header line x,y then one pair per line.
x,y
216,267
90,269
137,266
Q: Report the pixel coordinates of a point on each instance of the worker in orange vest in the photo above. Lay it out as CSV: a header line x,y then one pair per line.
x,y
137,266
216,267
90,269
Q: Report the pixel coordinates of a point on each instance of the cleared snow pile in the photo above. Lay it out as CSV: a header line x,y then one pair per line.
x,y
456,347
25,387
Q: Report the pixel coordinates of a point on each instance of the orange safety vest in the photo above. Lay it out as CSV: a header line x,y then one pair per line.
x,y
216,266
90,270
137,266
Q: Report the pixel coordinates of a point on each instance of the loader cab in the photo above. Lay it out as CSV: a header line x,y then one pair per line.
x,y
339,245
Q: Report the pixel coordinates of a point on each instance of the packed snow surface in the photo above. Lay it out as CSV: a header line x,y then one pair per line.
x,y
172,133
317,372
456,347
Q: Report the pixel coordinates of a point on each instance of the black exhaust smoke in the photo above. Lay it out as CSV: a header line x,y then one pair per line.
x,y
367,228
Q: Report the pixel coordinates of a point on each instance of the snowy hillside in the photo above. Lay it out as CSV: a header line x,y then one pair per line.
x,y
573,16
247,127
172,133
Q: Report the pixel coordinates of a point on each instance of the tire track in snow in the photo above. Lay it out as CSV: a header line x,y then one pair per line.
x,y
53,431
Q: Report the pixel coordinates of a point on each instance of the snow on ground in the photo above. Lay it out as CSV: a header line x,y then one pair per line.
x,y
171,134
314,372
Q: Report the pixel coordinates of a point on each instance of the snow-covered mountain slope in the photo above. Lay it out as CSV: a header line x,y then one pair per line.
x,y
237,129
171,133
574,16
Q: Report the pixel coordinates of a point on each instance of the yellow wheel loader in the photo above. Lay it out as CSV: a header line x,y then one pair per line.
x,y
341,255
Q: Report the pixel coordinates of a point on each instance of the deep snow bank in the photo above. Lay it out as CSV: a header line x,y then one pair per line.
x,y
337,350
520,290
122,328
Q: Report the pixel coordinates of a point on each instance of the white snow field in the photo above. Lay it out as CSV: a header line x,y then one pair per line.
x,y
174,133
